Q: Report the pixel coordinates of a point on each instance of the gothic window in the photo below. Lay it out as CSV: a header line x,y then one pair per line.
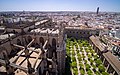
x,y
53,42
42,41
3,52
18,42
29,38
54,47
79,32
14,31
83,32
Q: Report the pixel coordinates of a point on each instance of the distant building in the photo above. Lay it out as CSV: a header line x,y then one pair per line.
x,y
97,10
118,33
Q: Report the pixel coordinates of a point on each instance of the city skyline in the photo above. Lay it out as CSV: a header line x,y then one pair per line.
x,y
60,5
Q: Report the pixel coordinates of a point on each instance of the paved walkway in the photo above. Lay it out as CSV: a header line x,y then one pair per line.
x,y
86,58
71,59
78,66
88,61
82,59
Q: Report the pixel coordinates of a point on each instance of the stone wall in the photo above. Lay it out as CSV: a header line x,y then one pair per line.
x,y
81,33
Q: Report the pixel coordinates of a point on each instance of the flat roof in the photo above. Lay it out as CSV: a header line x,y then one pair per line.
x,y
83,28
40,22
47,30
5,36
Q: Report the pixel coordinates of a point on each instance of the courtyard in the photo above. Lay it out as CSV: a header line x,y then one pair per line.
x,y
81,59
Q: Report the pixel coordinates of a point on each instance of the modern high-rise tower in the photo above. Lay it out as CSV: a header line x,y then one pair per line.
x,y
97,10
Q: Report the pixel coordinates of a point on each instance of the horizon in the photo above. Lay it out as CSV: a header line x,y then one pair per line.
x,y
60,5
60,11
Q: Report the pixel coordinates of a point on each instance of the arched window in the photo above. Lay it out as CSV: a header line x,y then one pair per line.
x,y
54,47
3,52
14,31
29,38
53,42
18,42
42,41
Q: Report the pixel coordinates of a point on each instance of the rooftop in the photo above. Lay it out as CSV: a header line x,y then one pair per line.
x,y
5,36
81,27
47,30
108,56
22,60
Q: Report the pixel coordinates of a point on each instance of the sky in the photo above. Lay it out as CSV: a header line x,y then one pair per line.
x,y
60,5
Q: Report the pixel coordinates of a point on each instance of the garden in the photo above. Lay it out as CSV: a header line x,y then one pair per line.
x,y
82,59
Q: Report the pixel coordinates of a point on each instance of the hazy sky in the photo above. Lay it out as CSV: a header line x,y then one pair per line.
x,y
59,5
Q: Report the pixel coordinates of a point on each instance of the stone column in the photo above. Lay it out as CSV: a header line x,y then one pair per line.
x,y
61,61
107,67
